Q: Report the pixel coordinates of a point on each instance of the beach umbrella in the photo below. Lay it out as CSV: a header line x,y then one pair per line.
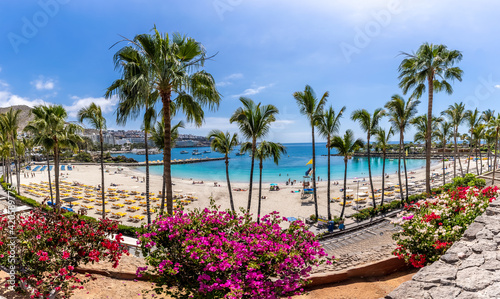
x,y
389,183
349,190
363,188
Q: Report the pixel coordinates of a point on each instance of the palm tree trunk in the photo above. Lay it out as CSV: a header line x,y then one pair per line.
x,y
147,177
488,159
480,158
56,172
345,186
428,136
495,159
167,152
399,164
254,148
406,175
471,147
383,176
229,185
260,190
477,166
8,171
444,173
328,187
50,184
370,170
18,172
102,175
314,176
455,154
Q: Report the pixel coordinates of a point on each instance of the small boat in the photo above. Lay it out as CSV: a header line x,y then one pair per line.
x,y
207,152
240,154
184,152
196,153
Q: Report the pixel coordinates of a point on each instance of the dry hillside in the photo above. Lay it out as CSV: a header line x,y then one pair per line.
x,y
24,117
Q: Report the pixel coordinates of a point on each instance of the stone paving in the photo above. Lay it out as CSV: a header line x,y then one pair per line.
x,y
469,269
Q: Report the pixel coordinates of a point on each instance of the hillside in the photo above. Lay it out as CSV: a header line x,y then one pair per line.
x,y
24,117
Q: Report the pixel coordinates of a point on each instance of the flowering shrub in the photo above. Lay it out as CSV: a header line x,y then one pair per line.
x,y
431,226
43,250
214,254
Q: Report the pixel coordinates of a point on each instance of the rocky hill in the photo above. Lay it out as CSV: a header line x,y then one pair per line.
x,y
24,117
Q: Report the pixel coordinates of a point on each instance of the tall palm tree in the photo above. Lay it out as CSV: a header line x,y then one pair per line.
x,y
264,151
443,132
93,115
473,118
254,122
369,123
382,138
158,138
172,64
431,65
224,143
328,125
10,123
345,146
53,133
400,113
456,116
312,108
495,125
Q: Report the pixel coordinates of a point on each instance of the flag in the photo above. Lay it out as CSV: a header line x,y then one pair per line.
x,y
310,162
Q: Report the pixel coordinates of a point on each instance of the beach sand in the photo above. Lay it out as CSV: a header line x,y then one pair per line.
x,y
285,201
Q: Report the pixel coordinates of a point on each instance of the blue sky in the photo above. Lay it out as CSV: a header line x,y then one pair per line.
x,y
58,51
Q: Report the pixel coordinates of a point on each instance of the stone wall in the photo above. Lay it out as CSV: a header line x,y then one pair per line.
x,y
469,269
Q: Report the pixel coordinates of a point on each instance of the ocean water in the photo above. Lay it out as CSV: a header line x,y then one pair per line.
x,y
291,165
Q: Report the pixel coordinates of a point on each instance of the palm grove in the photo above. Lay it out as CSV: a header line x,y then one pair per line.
x,y
167,71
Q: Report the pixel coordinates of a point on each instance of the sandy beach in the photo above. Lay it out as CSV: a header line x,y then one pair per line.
x,y
288,201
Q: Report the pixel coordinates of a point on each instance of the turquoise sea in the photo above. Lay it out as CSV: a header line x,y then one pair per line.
x,y
292,165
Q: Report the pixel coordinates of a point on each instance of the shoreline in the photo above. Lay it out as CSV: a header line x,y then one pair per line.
x,y
288,201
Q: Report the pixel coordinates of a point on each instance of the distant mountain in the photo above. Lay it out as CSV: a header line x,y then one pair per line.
x,y
24,117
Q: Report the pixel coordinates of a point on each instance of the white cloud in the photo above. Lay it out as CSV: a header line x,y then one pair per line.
x,y
234,76
223,83
107,105
252,91
8,99
497,86
228,79
43,84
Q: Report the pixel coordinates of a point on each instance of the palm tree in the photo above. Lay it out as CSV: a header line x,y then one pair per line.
x,y
432,65
369,123
312,108
345,146
328,126
10,123
254,122
51,131
382,137
495,125
224,143
487,115
264,151
93,115
473,119
456,116
443,132
172,66
400,113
